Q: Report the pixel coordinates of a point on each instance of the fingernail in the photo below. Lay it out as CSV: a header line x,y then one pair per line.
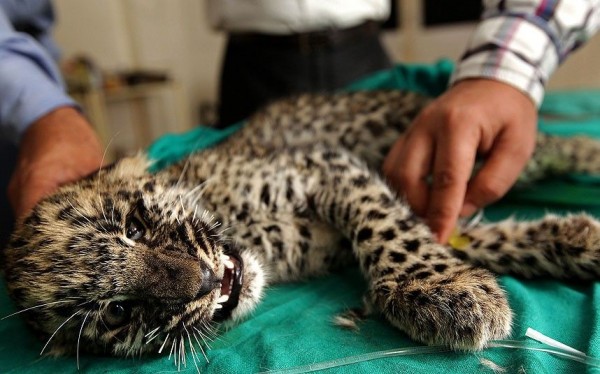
x,y
441,238
468,209
438,232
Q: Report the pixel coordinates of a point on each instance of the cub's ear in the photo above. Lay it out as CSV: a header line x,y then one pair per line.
x,y
129,168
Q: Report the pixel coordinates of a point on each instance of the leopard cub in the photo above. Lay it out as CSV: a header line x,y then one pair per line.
x,y
127,261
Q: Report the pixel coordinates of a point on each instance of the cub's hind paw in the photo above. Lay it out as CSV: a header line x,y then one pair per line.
x,y
573,243
579,231
463,310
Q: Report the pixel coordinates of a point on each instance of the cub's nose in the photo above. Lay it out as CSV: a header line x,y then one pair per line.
x,y
168,276
209,281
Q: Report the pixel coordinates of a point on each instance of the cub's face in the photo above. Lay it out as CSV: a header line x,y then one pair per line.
x,y
125,262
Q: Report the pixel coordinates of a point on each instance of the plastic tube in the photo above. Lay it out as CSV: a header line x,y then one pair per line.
x,y
536,335
519,344
409,351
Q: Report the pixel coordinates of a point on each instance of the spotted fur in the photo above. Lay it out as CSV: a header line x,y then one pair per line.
x,y
129,262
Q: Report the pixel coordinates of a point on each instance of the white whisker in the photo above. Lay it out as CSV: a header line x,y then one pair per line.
x,y
106,149
194,354
182,207
78,212
224,230
152,338
99,171
181,352
102,210
200,346
211,332
151,332
194,190
163,344
192,349
203,337
176,357
79,336
172,348
35,307
55,331
197,341
183,170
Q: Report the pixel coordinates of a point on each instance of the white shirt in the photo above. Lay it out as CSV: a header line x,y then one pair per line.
x,y
293,16
519,42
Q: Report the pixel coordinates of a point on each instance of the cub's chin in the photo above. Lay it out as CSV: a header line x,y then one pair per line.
x,y
252,283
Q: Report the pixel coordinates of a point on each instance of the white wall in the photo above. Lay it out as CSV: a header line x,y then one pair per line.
x,y
172,35
94,28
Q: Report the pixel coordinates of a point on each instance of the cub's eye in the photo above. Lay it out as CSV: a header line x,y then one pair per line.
x,y
135,229
117,314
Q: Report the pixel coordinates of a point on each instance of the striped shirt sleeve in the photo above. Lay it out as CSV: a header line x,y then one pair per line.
x,y
522,43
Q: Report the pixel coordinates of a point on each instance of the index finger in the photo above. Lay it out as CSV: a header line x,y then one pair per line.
x,y
454,159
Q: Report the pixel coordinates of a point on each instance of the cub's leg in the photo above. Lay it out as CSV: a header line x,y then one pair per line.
x,y
416,284
260,201
561,247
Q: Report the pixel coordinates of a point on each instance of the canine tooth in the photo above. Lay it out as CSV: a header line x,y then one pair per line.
x,y
218,306
229,264
224,258
223,298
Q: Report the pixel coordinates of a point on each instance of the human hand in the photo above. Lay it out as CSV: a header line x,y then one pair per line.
x,y
58,148
474,117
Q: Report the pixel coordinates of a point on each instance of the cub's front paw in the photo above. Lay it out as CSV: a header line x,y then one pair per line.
x,y
463,310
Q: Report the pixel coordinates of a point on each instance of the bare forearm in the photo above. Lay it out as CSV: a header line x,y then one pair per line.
x,y
58,148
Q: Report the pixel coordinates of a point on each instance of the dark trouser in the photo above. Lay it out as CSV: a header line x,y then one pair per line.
x,y
257,70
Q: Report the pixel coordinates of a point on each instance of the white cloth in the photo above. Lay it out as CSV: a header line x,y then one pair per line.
x,y
293,16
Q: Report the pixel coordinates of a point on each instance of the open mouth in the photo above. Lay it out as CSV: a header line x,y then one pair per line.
x,y
231,286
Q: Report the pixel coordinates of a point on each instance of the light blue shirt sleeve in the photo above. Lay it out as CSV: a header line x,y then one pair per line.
x,y
30,82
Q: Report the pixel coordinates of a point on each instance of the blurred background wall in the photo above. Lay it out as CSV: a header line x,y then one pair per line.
x,y
173,36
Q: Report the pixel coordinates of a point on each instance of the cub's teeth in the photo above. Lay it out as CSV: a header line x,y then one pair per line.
x,y
218,306
227,262
223,299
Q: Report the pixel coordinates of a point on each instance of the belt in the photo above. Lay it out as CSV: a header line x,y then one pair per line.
x,y
308,40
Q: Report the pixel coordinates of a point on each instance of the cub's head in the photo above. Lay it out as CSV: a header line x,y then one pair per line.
x,y
126,262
